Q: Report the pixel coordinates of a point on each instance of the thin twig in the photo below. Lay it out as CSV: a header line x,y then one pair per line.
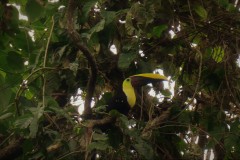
x,y
5,140
45,62
51,121
190,11
88,141
197,85
228,84
155,122
24,84
159,120
141,114
74,152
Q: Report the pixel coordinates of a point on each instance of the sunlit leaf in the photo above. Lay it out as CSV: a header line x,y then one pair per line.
x,y
218,54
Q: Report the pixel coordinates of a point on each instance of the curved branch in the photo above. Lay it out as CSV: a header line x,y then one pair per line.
x,y
155,123
24,85
13,150
75,37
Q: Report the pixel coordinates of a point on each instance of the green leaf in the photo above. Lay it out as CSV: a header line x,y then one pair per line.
x,y
158,30
185,117
30,120
145,66
100,137
50,101
13,79
34,9
144,149
72,145
60,111
100,145
223,3
37,112
98,27
125,60
24,121
114,113
3,61
231,141
23,41
112,134
14,61
218,54
87,7
201,12
29,94
74,67
14,19
5,95
235,127
27,145
109,16
5,116
101,104
124,122
166,92
33,127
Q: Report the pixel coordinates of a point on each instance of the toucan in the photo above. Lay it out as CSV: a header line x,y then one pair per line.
x,y
123,101
125,98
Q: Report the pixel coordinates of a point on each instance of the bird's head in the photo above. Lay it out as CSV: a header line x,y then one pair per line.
x,y
138,80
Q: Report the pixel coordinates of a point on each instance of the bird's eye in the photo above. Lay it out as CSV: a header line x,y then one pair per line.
x,y
128,79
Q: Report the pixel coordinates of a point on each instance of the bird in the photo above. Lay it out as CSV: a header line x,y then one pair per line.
x,y
125,98
123,101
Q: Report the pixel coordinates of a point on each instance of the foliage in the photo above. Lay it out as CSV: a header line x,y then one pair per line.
x,y
42,73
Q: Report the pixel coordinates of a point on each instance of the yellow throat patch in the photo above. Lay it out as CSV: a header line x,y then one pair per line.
x,y
129,92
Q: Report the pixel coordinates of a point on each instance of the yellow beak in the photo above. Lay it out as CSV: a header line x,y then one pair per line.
x,y
139,80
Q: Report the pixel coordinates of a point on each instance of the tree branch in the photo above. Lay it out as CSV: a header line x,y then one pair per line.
x,y
87,137
12,151
75,37
156,122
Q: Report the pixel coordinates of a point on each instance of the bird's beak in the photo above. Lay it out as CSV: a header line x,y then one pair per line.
x,y
139,80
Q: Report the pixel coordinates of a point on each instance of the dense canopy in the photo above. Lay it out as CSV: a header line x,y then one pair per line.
x,y
61,56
